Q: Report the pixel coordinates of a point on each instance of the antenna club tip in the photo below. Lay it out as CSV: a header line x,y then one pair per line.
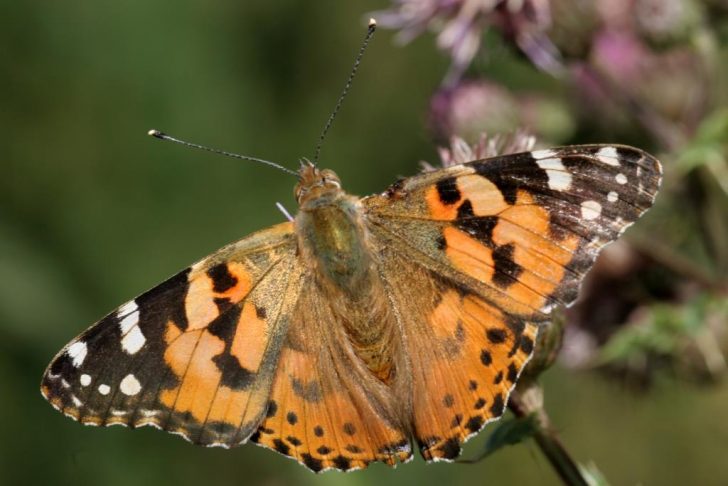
x,y
372,23
154,133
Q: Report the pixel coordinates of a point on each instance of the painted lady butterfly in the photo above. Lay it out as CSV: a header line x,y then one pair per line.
x,y
338,336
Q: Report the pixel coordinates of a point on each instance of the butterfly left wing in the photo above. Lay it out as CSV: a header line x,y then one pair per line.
x,y
475,255
195,355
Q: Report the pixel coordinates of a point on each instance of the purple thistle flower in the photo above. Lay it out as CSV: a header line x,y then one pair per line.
x,y
460,25
460,151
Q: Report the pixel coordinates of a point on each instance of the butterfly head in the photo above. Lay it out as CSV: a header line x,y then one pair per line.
x,y
316,184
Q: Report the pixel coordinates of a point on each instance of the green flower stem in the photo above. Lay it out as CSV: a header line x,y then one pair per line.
x,y
526,400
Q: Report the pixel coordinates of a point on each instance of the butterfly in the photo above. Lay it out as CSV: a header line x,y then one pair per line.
x,y
367,325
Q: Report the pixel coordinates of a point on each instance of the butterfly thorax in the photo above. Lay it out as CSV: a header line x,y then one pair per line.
x,y
332,236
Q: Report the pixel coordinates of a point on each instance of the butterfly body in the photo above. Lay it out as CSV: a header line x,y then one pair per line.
x,y
337,337
333,236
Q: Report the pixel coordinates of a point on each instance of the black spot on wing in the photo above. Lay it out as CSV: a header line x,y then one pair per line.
x,y
233,375
353,449
447,191
474,424
496,335
448,401
311,391
450,449
222,279
480,228
498,378
349,428
272,409
465,210
498,405
292,418
526,344
281,447
510,173
342,463
512,373
224,325
507,270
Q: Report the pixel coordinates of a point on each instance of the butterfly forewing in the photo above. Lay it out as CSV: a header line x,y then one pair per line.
x,y
523,228
194,355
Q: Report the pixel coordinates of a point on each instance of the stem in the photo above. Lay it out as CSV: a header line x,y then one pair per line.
x,y
527,400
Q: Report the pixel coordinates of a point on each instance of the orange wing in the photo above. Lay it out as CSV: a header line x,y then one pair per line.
x,y
465,354
195,355
476,254
327,410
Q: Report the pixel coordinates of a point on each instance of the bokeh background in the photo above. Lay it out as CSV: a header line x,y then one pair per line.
x,y
92,211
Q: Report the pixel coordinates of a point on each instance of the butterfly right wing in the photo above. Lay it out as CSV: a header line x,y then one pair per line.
x,y
195,355
476,255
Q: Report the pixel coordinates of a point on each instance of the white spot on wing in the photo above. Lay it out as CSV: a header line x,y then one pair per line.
x,y
85,380
128,315
621,178
542,154
612,196
559,176
77,352
130,385
608,155
104,389
590,210
76,401
133,340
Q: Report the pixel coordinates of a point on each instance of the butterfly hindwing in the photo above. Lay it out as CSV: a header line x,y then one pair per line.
x,y
328,411
465,354
195,355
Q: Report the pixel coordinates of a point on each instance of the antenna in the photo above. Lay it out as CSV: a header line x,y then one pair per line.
x,y
164,136
370,32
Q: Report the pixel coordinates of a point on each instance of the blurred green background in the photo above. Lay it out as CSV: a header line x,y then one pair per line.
x,y
92,212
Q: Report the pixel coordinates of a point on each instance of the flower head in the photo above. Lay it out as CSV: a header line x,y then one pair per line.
x,y
460,25
460,151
